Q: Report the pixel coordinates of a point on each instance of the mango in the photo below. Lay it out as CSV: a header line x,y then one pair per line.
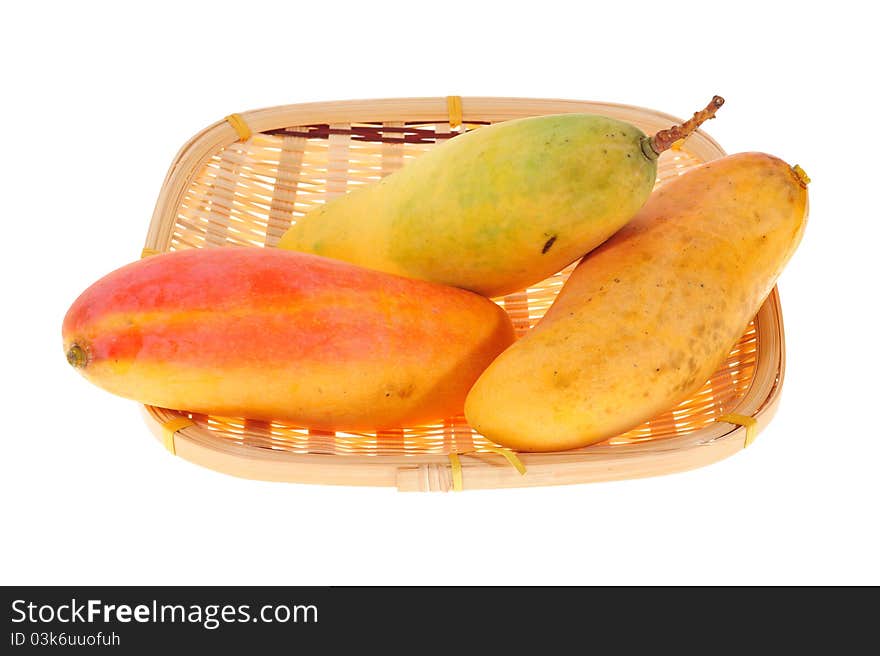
x,y
499,208
270,334
645,319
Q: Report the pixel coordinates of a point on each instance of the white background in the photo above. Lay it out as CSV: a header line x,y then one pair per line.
x,y
99,97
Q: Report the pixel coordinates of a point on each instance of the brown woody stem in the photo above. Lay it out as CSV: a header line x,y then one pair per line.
x,y
665,138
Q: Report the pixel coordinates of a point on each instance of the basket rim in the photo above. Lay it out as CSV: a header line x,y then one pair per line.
x,y
431,471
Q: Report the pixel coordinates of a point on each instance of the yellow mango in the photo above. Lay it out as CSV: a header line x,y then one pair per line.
x,y
499,208
645,319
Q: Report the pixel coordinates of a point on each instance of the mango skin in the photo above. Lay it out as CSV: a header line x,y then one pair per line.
x,y
646,319
270,334
493,210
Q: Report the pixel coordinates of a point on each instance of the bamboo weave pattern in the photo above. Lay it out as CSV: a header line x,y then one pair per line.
x,y
249,193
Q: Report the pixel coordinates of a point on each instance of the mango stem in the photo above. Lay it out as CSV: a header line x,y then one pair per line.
x,y
76,356
664,139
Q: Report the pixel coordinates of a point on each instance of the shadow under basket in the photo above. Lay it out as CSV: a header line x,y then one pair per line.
x,y
242,181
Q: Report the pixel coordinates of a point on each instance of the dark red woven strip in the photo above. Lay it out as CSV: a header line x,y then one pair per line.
x,y
374,133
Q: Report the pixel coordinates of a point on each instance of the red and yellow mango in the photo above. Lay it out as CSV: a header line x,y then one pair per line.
x,y
272,334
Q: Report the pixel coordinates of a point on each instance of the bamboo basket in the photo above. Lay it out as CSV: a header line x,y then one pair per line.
x,y
243,180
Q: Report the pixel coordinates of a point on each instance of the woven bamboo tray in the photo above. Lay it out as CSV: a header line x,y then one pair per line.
x,y
241,181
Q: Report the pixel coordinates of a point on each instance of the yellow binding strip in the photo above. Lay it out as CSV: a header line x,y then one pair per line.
x,y
453,104
149,251
511,458
750,424
240,127
169,428
455,464
802,176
